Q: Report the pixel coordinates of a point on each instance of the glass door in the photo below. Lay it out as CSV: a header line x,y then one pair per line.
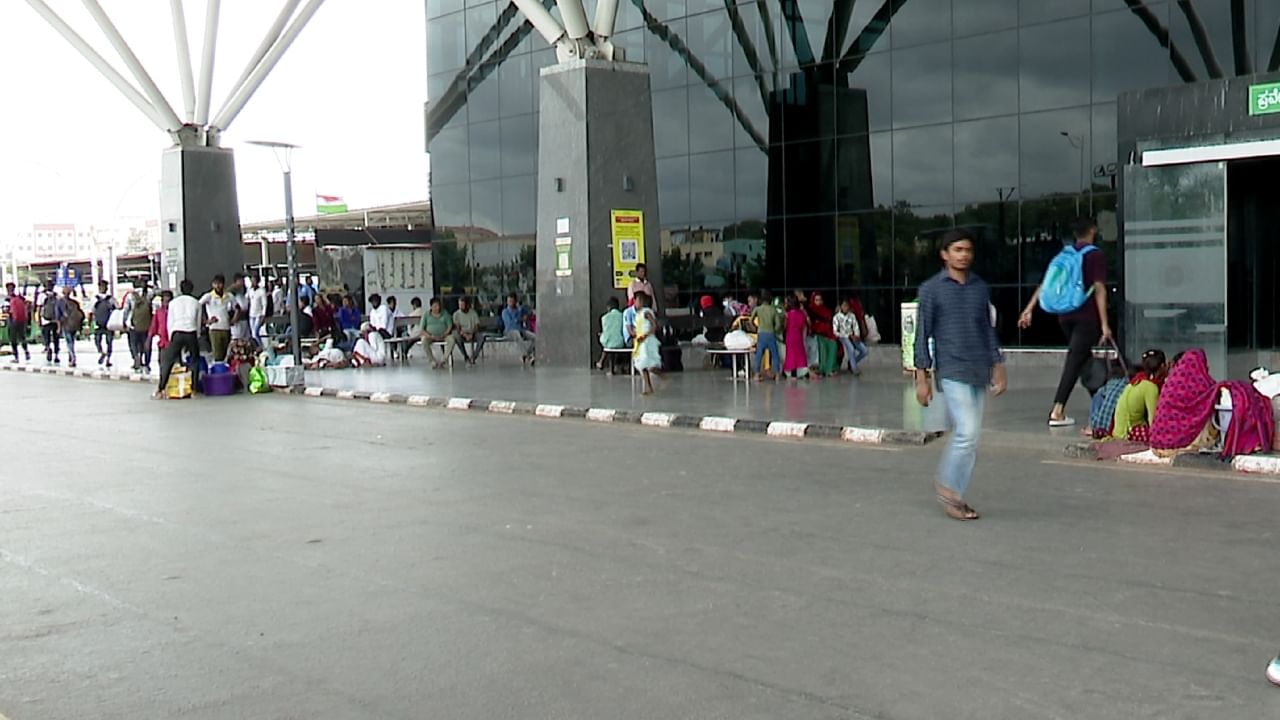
x,y
1175,260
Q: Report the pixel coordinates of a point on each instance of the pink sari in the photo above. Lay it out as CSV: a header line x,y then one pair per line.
x,y
1186,403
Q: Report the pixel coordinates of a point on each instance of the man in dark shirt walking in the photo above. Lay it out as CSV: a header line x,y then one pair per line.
x,y
1084,327
966,360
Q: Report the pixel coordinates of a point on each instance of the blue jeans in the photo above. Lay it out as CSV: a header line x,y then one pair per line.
x,y
855,351
768,341
965,404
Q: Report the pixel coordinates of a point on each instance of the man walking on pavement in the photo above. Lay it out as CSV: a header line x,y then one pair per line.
x,y
240,327
1086,325
52,309
137,317
18,316
967,363
257,310
103,336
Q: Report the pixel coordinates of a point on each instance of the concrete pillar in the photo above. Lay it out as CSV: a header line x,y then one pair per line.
x,y
595,155
199,216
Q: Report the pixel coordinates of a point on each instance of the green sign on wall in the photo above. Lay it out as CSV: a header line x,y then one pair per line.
x,y
1264,99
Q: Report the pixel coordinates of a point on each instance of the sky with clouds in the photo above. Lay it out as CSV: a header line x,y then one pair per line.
x,y
350,91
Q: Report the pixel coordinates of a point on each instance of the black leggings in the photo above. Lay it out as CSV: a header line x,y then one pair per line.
x,y
1082,336
18,336
173,353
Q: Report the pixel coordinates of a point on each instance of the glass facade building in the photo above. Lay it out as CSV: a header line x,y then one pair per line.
x,y
826,144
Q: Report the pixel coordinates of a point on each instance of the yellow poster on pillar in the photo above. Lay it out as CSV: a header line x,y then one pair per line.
x,y
628,244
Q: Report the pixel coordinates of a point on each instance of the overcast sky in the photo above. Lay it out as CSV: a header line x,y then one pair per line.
x,y
350,91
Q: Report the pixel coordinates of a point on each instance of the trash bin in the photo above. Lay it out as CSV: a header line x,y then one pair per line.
x,y
910,311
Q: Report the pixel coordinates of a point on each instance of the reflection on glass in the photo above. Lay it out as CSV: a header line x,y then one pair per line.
x,y
1053,72
446,45
673,190
450,162
1035,11
480,21
519,206
515,83
853,179
751,183
870,76
450,204
922,85
979,16
484,100
864,251
715,127
1202,31
986,162
1051,162
519,145
710,40
922,21
486,206
916,232
711,177
1126,55
1103,163
922,166
995,226
671,122
666,68
986,75
485,145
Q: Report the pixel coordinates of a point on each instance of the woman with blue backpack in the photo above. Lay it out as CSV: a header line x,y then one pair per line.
x,y
1074,289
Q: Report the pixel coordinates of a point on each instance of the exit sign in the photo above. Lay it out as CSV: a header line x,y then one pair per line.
x,y
1264,99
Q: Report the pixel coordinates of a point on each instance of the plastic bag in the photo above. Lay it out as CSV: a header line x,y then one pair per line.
x,y
258,381
873,331
738,340
179,387
115,323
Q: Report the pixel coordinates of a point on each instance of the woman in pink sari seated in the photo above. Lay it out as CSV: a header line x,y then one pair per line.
x,y
1183,416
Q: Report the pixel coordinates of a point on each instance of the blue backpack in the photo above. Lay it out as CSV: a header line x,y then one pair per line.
x,y
1063,290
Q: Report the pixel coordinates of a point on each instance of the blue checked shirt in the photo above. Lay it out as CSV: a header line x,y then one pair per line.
x,y
958,319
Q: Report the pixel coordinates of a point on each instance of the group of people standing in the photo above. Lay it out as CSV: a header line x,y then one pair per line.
x,y
818,340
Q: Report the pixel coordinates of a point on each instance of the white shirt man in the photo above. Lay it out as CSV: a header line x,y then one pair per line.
x,y
184,315
382,318
278,300
219,308
257,310
240,308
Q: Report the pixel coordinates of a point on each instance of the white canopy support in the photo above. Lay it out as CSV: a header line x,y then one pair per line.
x,y
129,91
606,16
264,68
206,63
574,18
183,45
547,26
131,61
273,35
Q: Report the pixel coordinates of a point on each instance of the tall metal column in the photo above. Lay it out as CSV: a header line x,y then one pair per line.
x,y
291,255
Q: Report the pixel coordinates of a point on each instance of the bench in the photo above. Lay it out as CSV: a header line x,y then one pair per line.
x,y
614,354
734,353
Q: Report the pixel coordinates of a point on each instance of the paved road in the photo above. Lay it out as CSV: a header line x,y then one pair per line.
x,y
302,558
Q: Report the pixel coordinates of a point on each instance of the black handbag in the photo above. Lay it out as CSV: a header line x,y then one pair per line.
x,y
1098,370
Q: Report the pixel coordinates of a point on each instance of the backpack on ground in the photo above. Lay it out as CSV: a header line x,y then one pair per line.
x,y
1063,290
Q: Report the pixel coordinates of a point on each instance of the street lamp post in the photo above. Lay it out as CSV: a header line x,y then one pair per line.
x,y
283,152
1077,142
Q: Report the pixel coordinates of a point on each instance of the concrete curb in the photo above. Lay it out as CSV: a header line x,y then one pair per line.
x,y
1267,465
706,423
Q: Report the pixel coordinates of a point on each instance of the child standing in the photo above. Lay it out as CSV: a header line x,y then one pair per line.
x,y
849,334
611,332
797,330
647,355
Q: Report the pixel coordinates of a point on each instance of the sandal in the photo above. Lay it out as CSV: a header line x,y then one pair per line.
x,y
954,507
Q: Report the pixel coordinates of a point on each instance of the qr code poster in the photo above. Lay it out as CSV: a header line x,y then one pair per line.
x,y
628,245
